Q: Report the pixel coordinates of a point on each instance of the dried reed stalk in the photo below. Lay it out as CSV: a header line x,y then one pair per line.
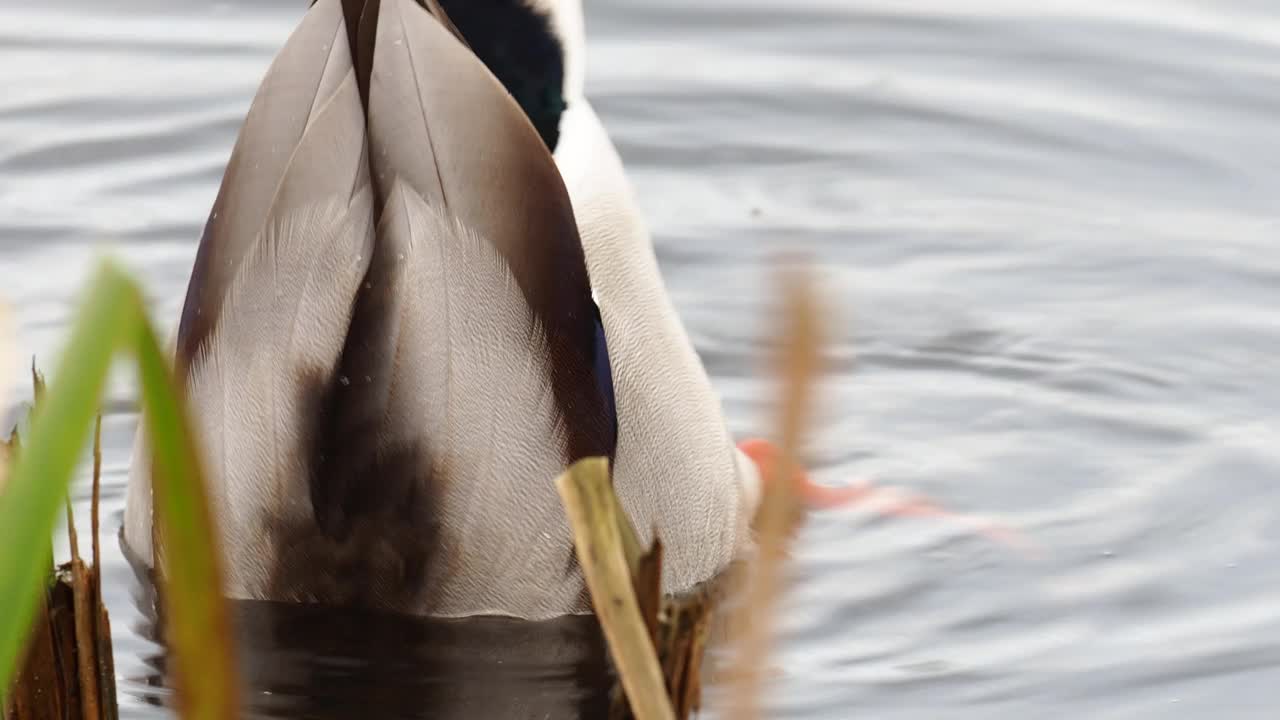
x,y
68,670
781,512
597,520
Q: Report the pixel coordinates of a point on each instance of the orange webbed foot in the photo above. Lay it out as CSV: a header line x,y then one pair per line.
x,y
888,501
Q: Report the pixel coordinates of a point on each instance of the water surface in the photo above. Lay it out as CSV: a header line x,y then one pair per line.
x,y
1048,233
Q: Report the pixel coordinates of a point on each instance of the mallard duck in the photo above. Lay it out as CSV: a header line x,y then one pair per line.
x,y
423,290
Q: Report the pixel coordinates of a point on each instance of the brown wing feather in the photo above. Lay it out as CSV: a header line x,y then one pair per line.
x,y
287,100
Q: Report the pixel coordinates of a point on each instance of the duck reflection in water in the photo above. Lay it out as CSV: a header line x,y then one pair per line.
x,y
311,662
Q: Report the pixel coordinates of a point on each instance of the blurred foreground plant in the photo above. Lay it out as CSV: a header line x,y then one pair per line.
x,y
112,319
68,670
797,363
6,359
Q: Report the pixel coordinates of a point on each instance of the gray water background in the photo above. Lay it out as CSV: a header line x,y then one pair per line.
x,y
1048,235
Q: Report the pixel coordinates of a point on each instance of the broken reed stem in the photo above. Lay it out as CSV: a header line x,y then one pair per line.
x,y
67,669
686,625
83,613
37,384
93,517
72,539
86,640
102,649
593,512
648,586
780,512
5,368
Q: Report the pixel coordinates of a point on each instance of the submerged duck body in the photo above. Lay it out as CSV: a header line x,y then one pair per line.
x,y
390,342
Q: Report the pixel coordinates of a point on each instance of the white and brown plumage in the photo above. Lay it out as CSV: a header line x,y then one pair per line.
x,y
391,348
390,343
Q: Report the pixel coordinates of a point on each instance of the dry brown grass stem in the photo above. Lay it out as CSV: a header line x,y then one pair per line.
x,y
797,362
596,519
